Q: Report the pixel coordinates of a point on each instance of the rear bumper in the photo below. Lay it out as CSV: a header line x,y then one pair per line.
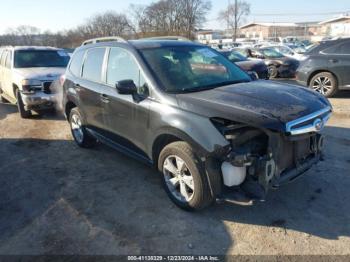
x,y
38,101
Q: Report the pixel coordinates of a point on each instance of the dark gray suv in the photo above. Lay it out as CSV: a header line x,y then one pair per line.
x,y
199,119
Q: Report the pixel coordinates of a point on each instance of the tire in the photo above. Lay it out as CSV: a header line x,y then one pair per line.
x,y
324,83
23,113
190,179
79,132
273,71
2,99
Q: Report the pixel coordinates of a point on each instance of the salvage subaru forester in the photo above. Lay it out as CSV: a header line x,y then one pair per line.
x,y
199,119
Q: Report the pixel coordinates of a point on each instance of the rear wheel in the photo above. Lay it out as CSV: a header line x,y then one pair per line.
x,y
79,132
324,83
273,71
21,109
184,177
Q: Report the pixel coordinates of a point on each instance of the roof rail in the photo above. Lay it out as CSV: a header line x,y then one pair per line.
x,y
172,38
104,39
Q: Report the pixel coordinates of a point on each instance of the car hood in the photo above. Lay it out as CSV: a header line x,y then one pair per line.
x,y
40,73
259,103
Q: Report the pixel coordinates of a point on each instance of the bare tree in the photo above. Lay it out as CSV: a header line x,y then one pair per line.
x,y
170,17
24,35
109,23
234,14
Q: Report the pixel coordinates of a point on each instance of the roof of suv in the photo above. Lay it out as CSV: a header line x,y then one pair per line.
x,y
146,43
142,44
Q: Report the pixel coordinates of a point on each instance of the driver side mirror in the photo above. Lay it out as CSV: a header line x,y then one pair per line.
x,y
126,87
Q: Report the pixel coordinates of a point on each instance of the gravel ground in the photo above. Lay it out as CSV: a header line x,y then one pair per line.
x,y
56,198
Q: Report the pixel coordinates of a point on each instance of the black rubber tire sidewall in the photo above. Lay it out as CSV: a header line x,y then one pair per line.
x,y
23,113
87,141
333,81
202,195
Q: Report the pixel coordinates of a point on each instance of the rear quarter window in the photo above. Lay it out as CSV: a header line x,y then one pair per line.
x,y
3,58
8,62
77,63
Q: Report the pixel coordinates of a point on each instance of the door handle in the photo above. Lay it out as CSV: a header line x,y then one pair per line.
x,y
104,98
334,61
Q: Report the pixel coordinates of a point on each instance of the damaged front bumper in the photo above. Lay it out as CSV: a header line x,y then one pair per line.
x,y
38,101
287,159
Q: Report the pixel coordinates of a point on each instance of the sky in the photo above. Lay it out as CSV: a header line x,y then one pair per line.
x,y
57,15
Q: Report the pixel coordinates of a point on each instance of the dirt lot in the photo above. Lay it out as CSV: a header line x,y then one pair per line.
x,y
58,199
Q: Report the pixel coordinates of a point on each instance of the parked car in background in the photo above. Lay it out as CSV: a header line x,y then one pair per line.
x,y
26,76
198,118
257,66
326,68
278,64
288,52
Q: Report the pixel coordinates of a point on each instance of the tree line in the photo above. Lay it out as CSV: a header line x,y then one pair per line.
x,y
163,17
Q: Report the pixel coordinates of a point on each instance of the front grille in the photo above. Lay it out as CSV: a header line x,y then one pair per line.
x,y
47,87
310,123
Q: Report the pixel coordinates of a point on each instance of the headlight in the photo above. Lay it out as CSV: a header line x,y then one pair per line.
x,y
29,85
31,82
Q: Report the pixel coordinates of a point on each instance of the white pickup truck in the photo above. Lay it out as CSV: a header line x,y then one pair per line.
x,y
27,75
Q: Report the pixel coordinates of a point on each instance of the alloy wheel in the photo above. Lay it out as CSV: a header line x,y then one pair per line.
x,y
77,128
178,178
323,85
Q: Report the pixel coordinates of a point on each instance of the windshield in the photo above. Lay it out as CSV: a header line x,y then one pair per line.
x,y
284,50
184,69
40,58
270,52
234,56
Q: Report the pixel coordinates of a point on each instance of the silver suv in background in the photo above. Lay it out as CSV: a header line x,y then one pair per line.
x,y
27,75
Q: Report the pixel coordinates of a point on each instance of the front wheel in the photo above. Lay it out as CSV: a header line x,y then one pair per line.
x,y
324,83
21,109
79,132
184,177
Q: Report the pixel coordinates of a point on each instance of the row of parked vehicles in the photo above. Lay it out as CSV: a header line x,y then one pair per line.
x,y
323,67
211,130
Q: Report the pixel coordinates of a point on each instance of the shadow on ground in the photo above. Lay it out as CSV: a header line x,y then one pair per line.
x,y
7,109
58,199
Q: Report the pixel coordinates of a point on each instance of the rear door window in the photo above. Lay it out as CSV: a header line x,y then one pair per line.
x,y
345,49
92,69
340,49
